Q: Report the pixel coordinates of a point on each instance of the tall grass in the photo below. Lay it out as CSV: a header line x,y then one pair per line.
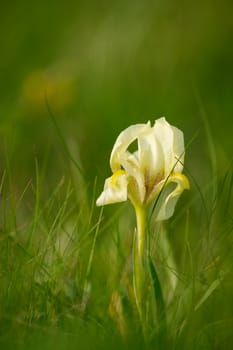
x,y
66,267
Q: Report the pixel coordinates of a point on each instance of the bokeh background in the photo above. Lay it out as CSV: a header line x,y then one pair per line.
x,y
105,65
96,67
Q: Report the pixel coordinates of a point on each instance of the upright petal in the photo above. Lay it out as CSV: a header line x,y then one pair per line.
x,y
178,149
151,159
123,141
172,143
115,189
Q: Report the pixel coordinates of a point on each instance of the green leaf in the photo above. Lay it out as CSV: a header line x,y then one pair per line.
x,y
157,293
209,291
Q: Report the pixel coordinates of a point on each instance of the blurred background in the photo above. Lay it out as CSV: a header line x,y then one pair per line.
x,y
79,72
101,66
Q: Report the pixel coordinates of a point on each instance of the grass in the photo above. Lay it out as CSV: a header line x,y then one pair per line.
x,y
68,75
66,267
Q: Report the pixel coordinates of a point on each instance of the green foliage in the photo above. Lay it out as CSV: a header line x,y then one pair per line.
x,y
66,268
72,77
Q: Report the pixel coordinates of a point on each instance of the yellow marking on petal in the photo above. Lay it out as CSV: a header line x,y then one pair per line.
x,y
183,178
116,175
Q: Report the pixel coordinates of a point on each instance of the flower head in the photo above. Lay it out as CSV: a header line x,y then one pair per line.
x,y
148,173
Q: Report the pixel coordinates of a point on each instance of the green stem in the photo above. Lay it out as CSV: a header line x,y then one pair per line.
x,y
139,264
141,223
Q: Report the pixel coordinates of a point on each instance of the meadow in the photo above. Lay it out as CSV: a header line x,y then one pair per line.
x,y
72,77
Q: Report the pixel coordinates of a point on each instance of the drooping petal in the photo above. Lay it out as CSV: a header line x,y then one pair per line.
x,y
169,196
123,141
115,189
172,144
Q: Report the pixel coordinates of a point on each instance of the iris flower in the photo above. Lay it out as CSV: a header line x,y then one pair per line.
x,y
151,173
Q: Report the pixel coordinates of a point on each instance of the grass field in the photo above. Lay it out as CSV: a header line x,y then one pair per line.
x,y
72,77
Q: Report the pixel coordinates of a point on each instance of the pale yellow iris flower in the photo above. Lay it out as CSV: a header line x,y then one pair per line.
x,y
151,173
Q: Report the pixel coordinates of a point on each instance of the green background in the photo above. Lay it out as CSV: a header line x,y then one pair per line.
x,y
98,67
103,66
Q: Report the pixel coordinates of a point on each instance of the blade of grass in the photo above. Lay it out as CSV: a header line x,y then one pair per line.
x,y
36,208
87,284
209,291
160,305
59,133
210,139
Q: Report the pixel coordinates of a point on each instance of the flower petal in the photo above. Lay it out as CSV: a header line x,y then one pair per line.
x,y
115,189
151,160
123,141
135,176
171,140
169,196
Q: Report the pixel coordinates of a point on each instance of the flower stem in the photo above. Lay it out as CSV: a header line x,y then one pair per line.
x,y
139,265
141,222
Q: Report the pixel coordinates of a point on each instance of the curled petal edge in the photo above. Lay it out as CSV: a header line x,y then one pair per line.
x,y
167,206
123,141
